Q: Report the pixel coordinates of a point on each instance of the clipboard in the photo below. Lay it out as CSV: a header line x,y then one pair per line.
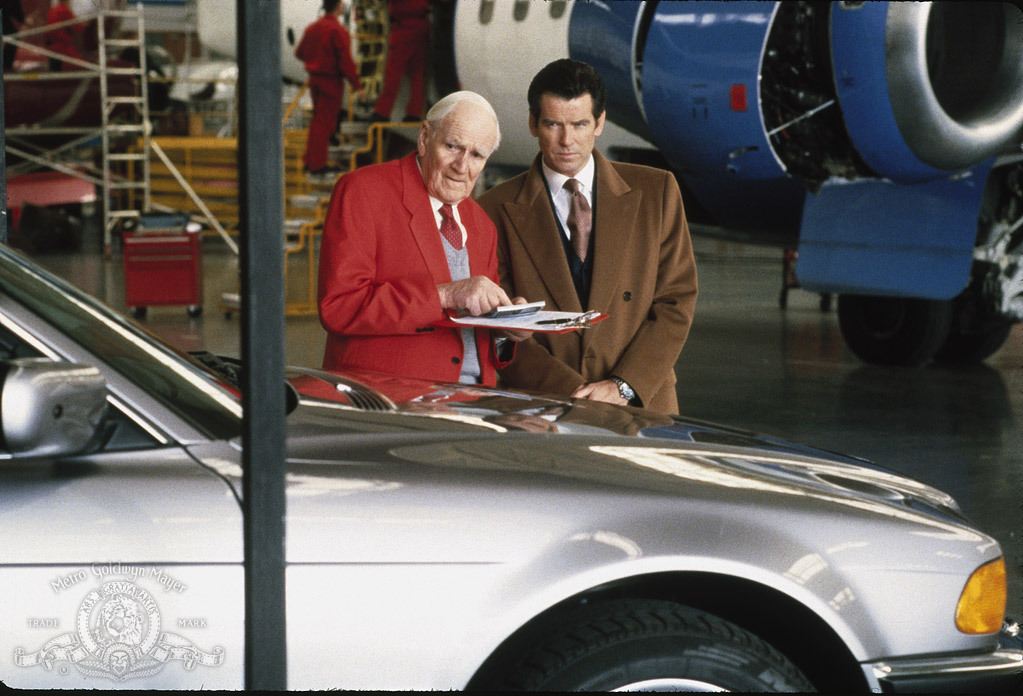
x,y
537,322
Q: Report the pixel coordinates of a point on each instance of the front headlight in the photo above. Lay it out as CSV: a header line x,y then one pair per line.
x,y
981,606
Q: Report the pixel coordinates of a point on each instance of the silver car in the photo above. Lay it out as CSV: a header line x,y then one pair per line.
x,y
448,537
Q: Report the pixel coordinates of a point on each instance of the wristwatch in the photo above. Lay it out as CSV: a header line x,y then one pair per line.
x,y
624,390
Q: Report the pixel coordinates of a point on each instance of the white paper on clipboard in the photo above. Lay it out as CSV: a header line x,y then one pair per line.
x,y
544,321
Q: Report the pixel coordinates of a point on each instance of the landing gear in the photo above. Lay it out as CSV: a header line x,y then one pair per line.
x,y
894,330
961,347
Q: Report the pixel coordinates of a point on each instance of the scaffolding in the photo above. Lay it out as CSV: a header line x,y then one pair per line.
x,y
123,128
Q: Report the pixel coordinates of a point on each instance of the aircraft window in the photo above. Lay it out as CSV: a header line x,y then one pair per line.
x,y
520,10
291,36
486,11
557,8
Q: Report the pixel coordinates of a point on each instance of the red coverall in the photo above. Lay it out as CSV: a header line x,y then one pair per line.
x,y
325,49
408,48
60,40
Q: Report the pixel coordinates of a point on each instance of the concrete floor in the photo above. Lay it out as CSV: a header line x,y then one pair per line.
x,y
747,364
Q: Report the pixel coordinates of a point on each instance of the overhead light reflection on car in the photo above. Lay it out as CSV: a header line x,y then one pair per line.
x,y
687,465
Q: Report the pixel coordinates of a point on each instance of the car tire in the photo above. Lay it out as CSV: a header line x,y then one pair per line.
x,y
648,645
894,330
966,348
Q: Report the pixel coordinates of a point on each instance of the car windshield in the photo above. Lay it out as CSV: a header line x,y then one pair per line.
x,y
181,383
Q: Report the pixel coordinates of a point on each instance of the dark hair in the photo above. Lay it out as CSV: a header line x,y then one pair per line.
x,y
330,5
567,79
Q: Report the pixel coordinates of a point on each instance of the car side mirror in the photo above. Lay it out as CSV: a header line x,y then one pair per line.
x,y
50,408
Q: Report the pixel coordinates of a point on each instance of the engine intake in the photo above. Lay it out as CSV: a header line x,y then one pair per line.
x,y
955,76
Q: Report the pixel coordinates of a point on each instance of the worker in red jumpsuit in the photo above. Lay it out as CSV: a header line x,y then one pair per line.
x,y
62,40
408,48
325,49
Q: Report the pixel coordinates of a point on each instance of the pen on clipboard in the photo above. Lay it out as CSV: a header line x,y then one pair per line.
x,y
580,321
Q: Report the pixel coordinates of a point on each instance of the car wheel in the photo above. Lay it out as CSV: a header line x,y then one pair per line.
x,y
975,346
894,330
646,645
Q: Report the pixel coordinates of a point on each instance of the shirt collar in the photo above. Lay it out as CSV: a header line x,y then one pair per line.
x,y
556,180
436,204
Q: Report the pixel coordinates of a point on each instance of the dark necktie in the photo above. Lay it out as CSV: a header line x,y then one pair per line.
x,y
449,228
580,219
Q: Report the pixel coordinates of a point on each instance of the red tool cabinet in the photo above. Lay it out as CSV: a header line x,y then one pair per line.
x,y
162,265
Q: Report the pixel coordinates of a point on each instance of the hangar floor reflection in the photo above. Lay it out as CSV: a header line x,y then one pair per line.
x,y
749,364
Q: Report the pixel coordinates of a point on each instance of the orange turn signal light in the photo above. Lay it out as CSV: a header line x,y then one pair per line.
x,y
981,607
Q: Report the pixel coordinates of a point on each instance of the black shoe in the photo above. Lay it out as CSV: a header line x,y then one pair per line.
x,y
377,118
409,118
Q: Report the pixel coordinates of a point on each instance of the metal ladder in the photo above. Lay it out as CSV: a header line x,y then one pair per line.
x,y
137,123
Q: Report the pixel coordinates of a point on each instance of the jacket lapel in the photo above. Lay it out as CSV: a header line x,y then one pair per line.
x,y
617,206
422,223
533,222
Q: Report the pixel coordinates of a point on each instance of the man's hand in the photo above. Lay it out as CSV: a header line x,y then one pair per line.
x,y
605,390
477,295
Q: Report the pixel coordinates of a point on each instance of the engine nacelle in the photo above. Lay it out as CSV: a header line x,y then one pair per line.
x,y
928,88
765,92
890,115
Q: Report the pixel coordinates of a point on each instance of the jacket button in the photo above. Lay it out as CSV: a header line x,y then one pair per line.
x,y
626,295
455,360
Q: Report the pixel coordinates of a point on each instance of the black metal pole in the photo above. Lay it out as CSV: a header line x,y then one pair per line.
x,y
261,209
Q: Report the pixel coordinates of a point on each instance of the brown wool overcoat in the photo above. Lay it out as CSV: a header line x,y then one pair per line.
x,y
644,277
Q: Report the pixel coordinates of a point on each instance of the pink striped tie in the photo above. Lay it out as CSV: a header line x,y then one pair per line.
x,y
580,219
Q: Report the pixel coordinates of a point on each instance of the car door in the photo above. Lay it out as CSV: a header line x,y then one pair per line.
x,y
120,568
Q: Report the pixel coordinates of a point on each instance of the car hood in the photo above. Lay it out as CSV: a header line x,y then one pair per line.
x,y
506,410
458,428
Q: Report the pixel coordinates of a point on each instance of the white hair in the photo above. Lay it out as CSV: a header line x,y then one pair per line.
x,y
439,111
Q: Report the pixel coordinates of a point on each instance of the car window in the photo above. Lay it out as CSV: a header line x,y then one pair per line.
x,y
182,384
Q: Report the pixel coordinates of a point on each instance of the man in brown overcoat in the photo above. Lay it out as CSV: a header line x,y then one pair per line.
x,y
614,240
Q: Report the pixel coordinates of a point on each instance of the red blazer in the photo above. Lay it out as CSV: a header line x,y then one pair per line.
x,y
381,260
326,51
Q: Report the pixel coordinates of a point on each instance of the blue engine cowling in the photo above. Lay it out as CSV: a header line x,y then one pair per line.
x,y
868,127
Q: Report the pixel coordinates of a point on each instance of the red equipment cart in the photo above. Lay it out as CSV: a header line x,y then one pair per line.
x,y
163,264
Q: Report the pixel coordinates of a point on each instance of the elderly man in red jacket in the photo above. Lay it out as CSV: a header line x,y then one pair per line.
x,y
403,243
325,49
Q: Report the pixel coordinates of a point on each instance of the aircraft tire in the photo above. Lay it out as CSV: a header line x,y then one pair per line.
x,y
967,348
894,330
